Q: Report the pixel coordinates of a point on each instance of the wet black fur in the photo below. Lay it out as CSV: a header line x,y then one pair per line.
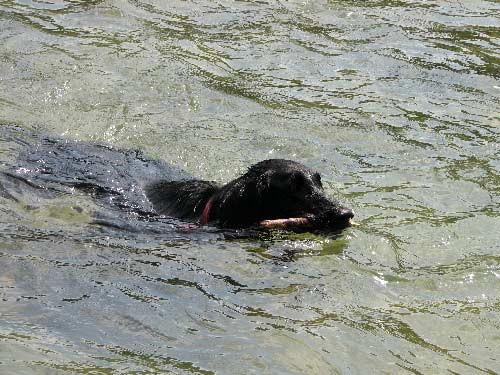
x,y
129,180
271,189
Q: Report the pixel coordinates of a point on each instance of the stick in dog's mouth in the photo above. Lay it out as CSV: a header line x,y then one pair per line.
x,y
293,222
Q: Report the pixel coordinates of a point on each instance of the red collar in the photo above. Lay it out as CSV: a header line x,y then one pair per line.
x,y
206,211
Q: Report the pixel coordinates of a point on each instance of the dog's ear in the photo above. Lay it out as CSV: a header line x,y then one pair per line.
x,y
184,199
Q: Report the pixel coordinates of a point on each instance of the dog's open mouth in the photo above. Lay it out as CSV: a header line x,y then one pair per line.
x,y
297,223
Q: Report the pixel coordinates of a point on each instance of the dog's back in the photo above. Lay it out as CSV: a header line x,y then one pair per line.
x,y
112,175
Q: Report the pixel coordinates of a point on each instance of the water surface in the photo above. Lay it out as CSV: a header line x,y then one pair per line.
x,y
396,103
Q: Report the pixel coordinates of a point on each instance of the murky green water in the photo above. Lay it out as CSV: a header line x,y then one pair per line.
x,y
395,102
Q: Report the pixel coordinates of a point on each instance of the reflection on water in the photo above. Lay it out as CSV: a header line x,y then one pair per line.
x,y
395,102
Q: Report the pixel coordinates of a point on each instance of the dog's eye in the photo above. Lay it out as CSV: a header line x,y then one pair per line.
x,y
317,179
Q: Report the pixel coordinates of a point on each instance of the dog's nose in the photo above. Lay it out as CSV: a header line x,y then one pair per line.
x,y
346,214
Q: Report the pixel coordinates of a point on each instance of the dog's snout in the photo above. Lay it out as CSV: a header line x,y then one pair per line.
x,y
346,213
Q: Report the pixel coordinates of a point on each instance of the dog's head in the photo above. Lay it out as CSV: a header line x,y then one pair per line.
x,y
279,193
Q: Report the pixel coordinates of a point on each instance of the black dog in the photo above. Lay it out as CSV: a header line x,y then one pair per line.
x,y
274,193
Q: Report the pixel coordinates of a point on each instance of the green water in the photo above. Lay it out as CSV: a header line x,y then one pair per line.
x,y
396,103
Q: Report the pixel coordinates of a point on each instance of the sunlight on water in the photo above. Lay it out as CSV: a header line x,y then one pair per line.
x,y
394,102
